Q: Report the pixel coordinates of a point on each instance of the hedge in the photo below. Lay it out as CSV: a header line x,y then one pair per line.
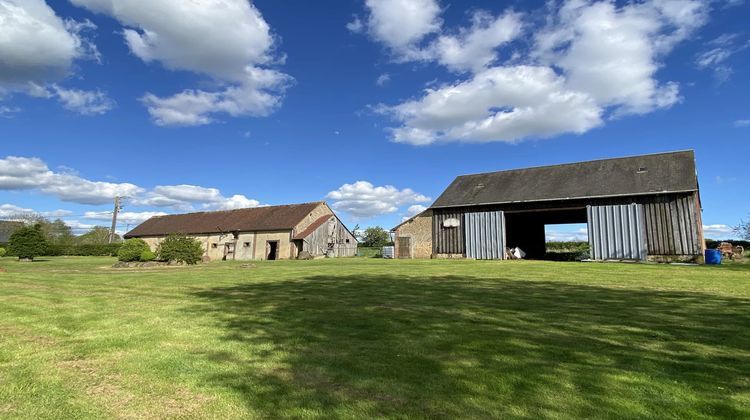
x,y
87,250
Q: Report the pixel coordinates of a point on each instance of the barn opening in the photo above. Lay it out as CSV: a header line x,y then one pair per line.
x,y
566,242
273,250
526,229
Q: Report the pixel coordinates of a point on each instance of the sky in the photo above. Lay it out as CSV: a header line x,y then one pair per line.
x,y
373,106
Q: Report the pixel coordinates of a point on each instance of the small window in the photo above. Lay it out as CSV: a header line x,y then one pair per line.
x,y
347,241
246,244
642,170
214,245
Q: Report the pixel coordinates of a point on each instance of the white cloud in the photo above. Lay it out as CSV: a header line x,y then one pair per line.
x,y
475,48
227,40
498,104
590,61
578,235
717,54
128,217
363,200
742,123
383,79
412,211
38,48
355,25
20,173
82,101
401,25
8,111
183,197
718,231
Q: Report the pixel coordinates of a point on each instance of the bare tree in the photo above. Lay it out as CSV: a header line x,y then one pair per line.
x,y
743,229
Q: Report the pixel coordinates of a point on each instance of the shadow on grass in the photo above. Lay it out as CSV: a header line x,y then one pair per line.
x,y
463,347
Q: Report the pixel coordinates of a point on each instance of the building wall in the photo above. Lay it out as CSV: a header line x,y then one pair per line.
x,y
673,226
419,230
247,245
331,236
321,210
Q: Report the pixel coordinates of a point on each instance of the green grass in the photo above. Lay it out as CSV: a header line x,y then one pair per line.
x,y
374,338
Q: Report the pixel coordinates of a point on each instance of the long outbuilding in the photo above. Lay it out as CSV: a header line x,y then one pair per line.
x,y
259,233
644,208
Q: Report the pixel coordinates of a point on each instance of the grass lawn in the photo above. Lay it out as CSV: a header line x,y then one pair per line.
x,y
368,337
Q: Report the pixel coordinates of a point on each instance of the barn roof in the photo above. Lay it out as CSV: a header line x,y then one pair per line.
x,y
636,175
284,217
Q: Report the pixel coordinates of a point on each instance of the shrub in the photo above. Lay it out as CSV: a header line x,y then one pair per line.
x,y
27,242
180,248
132,249
2,251
147,255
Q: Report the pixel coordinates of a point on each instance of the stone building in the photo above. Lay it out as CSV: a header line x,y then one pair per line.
x,y
260,233
644,208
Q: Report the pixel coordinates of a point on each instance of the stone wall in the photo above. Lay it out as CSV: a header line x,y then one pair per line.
x,y
419,229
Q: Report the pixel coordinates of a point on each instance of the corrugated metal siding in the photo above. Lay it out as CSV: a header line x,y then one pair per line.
x,y
447,240
672,227
617,232
485,235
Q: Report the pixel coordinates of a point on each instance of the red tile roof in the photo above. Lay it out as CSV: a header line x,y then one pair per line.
x,y
284,217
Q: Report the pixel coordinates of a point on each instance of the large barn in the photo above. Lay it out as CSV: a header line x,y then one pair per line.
x,y
260,233
636,208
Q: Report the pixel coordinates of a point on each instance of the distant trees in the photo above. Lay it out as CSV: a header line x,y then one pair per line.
x,y
28,242
98,235
375,236
743,229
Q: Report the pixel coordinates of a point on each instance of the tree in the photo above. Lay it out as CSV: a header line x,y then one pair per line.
x,y
180,248
132,249
98,235
743,229
57,232
27,242
376,236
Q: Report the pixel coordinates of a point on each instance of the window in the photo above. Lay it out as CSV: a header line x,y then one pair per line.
x,y
347,241
246,244
214,245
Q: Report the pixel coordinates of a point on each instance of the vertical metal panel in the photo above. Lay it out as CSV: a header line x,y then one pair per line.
x,y
617,232
485,235
671,224
447,240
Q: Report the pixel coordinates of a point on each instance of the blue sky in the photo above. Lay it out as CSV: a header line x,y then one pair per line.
x,y
373,106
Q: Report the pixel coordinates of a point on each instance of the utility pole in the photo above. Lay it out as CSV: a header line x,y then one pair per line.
x,y
114,219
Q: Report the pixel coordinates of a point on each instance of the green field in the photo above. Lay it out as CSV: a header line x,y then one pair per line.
x,y
369,337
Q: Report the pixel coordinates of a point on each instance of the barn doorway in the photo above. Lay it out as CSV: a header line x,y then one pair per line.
x,y
566,241
272,250
525,229
404,247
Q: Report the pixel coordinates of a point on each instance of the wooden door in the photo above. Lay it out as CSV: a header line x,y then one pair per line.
x,y
404,247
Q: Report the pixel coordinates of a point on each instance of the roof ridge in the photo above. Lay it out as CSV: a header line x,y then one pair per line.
x,y
579,162
240,209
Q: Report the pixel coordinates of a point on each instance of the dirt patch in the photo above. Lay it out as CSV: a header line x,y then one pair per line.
x,y
25,336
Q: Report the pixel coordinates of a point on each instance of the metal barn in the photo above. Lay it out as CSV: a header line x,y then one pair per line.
x,y
636,208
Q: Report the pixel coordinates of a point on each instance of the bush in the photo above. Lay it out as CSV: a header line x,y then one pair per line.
x,y
27,242
180,248
2,252
132,249
147,256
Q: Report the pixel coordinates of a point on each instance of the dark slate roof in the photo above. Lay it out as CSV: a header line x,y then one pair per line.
x,y
636,175
284,217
